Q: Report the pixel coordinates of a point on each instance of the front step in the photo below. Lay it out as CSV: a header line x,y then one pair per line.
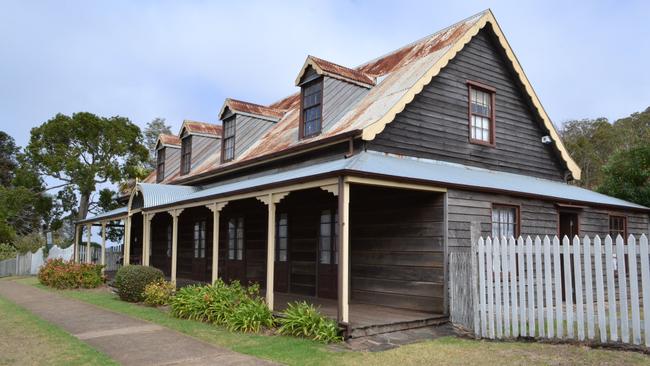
x,y
375,329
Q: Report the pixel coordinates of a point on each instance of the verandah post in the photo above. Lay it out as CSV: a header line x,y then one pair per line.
x,y
127,241
76,243
174,213
88,256
270,253
146,237
344,247
216,211
103,256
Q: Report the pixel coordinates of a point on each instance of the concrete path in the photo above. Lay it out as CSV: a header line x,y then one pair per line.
x,y
127,340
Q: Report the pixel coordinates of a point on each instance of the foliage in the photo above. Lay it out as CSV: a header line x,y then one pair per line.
x,y
593,142
8,164
237,307
250,316
158,293
627,175
29,243
304,320
151,132
84,150
62,274
131,281
7,251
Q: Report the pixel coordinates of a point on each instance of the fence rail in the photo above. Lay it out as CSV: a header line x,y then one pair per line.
x,y
580,289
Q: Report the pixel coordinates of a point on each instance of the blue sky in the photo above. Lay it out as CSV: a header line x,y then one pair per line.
x,y
180,59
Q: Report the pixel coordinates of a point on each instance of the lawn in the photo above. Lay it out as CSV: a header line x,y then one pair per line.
x,y
293,351
26,339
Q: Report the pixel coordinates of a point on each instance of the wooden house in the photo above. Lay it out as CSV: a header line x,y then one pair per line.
x,y
354,191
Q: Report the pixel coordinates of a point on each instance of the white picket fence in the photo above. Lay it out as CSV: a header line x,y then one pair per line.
x,y
30,263
520,289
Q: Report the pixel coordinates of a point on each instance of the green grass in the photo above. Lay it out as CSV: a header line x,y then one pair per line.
x,y
26,339
294,351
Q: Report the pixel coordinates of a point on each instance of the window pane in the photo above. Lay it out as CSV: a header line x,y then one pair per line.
x,y
504,220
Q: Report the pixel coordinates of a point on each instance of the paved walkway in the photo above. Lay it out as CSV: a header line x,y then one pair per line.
x,y
127,340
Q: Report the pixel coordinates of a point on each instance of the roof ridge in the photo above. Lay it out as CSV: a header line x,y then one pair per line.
x,y
420,40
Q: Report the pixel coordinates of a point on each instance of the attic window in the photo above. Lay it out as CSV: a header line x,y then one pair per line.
x,y
311,103
186,155
160,165
228,152
481,113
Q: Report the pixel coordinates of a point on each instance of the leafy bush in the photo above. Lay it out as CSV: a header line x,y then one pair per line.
x,y
235,306
29,243
7,251
158,293
131,281
62,274
304,320
250,316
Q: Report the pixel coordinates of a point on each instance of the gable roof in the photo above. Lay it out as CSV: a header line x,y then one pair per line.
x,y
168,140
336,71
402,74
257,110
200,128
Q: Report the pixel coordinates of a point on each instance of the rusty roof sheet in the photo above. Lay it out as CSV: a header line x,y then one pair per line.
x,y
336,71
201,128
399,70
166,139
252,108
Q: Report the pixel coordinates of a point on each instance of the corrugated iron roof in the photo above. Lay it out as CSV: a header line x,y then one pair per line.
x,y
436,172
106,216
336,71
201,128
169,140
251,108
160,194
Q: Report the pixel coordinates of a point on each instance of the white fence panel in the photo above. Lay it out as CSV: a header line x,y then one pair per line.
x,y
522,291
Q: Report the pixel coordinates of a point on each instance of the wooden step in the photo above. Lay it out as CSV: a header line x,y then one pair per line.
x,y
369,330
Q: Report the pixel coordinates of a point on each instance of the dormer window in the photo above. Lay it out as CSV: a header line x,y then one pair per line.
x,y
160,165
228,152
481,113
186,155
311,116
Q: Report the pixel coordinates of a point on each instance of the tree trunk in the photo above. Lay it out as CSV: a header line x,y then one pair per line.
x,y
84,203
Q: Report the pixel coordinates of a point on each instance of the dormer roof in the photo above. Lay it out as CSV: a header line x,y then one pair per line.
x,y
323,67
168,140
252,109
200,128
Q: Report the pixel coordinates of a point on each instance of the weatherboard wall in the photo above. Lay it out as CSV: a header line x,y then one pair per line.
x,y
435,124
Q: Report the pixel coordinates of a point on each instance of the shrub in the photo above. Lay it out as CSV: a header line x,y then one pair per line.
x,y
131,281
250,316
158,293
7,251
304,320
29,243
62,274
235,306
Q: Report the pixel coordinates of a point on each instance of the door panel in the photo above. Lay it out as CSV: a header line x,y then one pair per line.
x,y
569,226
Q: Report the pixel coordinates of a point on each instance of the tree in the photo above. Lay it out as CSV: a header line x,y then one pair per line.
x,y
24,207
590,142
627,175
8,162
84,150
151,132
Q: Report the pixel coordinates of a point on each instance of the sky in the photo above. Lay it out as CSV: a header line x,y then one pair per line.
x,y
180,59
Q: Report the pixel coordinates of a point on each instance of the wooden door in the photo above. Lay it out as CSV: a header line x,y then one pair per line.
x,y
235,254
281,267
199,262
328,255
569,226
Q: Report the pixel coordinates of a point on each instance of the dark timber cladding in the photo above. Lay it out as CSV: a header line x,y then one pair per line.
x,y
435,124
538,217
397,248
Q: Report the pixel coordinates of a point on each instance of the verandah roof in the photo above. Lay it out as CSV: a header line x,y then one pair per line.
x,y
384,165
